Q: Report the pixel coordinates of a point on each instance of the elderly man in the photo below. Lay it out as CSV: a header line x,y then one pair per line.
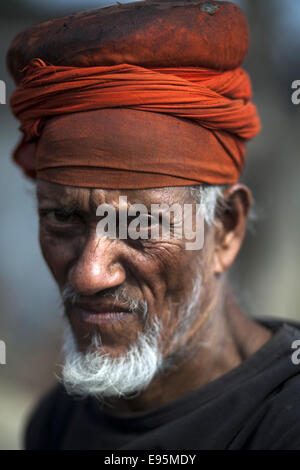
x,y
144,105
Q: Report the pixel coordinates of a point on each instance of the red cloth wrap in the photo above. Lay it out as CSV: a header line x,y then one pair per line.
x,y
214,105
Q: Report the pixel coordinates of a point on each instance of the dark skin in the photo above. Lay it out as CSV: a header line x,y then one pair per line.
x,y
158,271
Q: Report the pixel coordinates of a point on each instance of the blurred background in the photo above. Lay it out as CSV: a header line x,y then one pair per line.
x,y
266,274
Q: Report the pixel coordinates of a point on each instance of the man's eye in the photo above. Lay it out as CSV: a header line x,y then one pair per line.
x,y
57,216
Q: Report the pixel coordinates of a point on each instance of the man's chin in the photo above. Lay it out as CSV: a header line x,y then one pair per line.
x,y
103,371
112,337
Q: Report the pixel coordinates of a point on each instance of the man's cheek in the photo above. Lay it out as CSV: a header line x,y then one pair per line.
x,y
177,264
164,255
57,255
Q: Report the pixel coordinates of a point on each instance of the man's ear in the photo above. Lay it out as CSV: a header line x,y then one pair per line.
x,y
231,225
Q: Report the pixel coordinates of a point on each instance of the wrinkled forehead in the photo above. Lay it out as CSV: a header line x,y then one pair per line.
x,y
91,198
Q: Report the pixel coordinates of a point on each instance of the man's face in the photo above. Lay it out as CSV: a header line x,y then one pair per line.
x,y
107,275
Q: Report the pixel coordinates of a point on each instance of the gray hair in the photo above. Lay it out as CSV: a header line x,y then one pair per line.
x,y
212,199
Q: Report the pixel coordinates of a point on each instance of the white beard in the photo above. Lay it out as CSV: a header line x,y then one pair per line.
x,y
96,374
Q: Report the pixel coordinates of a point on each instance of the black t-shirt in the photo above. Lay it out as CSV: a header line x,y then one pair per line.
x,y
254,406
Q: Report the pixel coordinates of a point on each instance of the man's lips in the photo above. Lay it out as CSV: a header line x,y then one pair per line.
x,y
99,314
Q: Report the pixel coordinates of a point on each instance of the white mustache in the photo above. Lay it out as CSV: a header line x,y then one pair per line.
x,y
138,307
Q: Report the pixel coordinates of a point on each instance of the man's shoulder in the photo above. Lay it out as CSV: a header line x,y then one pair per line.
x,y
282,423
276,424
48,419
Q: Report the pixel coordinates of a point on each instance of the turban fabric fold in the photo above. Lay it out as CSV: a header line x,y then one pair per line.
x,y
218,101
135,95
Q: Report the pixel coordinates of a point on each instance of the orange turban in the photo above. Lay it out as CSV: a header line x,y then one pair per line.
x,y
205,116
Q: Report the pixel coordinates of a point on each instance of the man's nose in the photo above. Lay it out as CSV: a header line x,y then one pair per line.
x,y
98,267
